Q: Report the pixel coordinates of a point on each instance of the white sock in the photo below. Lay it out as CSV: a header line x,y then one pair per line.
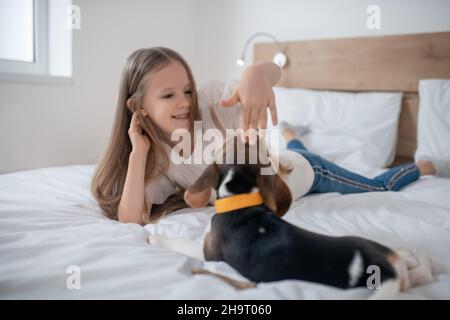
x,y
298,130
442,166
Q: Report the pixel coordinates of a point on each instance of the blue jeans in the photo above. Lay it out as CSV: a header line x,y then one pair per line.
x,y
329,177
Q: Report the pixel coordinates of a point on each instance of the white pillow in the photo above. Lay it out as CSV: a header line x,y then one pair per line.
x,y
355,130
433,131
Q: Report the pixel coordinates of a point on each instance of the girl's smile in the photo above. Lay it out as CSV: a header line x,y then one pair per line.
x,y
181,116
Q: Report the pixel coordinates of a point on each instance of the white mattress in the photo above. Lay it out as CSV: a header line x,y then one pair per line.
x,y
49,221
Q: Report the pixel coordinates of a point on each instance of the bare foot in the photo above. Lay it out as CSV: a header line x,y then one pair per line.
x,y
426,167
288,134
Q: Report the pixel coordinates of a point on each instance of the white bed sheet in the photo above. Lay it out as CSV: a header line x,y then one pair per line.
x,y
49,221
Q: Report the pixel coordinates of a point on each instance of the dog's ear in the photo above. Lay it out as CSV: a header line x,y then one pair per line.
x,y
275,192
197,195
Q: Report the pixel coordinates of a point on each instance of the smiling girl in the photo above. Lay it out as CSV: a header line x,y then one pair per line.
x,y
135,180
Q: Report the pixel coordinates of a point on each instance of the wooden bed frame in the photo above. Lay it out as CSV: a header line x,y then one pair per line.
x,y
382,63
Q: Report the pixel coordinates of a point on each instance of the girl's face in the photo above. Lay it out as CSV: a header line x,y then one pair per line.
x,y
167,98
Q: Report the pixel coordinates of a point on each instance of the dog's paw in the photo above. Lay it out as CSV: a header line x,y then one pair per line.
x,y
408,257
423,273
418,265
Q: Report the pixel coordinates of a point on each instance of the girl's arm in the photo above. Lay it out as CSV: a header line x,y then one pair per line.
x,y
132,203
255,94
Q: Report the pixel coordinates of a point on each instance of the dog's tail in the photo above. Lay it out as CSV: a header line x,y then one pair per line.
x,y
239,285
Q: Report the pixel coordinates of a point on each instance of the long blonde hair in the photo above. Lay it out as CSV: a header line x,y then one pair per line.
x,y
109,177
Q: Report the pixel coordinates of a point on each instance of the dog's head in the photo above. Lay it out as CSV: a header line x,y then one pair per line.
x,y
233,176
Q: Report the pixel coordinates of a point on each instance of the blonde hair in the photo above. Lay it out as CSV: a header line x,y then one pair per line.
x,y
109,177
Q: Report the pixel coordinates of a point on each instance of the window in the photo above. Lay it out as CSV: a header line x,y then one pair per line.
x,y
17,46
35,41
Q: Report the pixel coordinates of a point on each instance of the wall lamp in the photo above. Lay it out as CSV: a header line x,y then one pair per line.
x,y
279,58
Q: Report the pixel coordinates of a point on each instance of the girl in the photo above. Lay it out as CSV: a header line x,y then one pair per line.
x,y
157,95
135,180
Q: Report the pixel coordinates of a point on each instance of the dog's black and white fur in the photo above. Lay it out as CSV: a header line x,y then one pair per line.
x,y
263,247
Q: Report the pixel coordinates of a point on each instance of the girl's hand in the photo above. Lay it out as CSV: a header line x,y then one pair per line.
x,y
255,94
141,142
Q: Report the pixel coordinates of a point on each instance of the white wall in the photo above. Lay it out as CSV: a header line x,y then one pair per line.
x,y
44,125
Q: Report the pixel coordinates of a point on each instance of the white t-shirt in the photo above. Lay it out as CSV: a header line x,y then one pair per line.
x,y
215,116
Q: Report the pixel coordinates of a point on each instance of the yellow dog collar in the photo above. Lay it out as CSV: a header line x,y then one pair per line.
x,y
238,201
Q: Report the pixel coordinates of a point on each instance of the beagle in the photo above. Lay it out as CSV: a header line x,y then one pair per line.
x,y
247,232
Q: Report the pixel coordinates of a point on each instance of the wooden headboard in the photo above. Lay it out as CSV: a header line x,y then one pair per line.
x,y
386,63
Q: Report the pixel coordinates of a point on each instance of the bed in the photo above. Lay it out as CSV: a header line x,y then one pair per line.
x,y
55,244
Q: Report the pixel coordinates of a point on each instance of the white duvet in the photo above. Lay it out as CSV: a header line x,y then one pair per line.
x,y
49,222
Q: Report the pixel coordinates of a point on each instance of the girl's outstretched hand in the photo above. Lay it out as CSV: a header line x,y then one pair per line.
x,y
255,94
140,142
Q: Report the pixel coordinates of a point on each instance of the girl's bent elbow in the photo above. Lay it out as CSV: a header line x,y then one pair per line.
x,y
128,219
